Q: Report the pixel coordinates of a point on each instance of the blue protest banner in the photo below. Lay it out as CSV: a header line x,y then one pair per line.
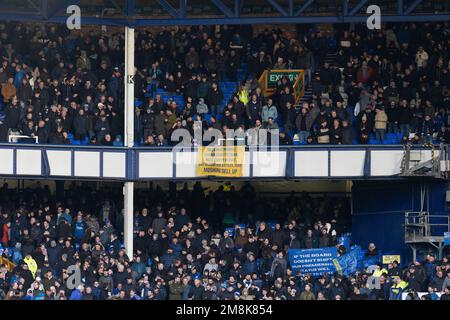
x,y
344,240
348,263
313,261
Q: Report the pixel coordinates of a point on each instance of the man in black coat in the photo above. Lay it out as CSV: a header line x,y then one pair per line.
x,y
214,98
148,123
190,88
42,132
404,118
278,236
197,290
289,116
80,125
13,111
53,252
3,132
253,110
347,133
58,137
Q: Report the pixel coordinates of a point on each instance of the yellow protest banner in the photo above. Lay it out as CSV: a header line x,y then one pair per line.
x,y
391,258
220,161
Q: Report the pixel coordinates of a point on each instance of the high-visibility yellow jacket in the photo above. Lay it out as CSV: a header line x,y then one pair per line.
x,y
397,290
379,272
32,265
243,96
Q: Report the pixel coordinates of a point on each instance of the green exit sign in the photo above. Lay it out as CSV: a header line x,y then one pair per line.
x,y
275,75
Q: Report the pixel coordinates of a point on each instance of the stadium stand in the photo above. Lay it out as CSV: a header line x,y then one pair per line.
x,y
387,90
224,244
180,254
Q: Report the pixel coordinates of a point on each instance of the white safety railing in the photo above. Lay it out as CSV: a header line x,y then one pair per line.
x,y
14,138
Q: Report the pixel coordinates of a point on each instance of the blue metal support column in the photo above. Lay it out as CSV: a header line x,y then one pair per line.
x,y
117,6
238,7
44,9
367,163
306,6
413,6
182,10
400,7
277,7
34,5
357,7
222,7
130,11
168,8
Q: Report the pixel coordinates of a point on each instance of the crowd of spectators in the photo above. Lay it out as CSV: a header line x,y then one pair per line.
x,y
180,255
382,85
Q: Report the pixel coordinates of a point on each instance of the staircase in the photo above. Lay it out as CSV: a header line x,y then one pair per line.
x,y
330,58
424,229
425,163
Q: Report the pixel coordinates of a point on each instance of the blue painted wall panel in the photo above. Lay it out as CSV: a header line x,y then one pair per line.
x,y
379,209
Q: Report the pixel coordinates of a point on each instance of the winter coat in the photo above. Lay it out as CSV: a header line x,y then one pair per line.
x,y
278,237
446,283
347,135
32,265
201,107
202,89
279,266
381,120
392,114
214,97
80,124
8,91
404,115
253,110
269,112
323,135
25,92
307,295
310,243
13,116
158,224
307,118
175,291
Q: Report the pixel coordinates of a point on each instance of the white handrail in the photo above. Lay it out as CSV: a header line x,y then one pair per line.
x,y
15,137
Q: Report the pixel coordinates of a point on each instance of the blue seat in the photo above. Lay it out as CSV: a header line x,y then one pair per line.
x,y
391,136
85,142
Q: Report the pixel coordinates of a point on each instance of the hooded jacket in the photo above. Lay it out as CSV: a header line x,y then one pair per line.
x,y
202,108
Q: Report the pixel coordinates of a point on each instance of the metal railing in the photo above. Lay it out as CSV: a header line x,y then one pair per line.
x,y
14,138
422,226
